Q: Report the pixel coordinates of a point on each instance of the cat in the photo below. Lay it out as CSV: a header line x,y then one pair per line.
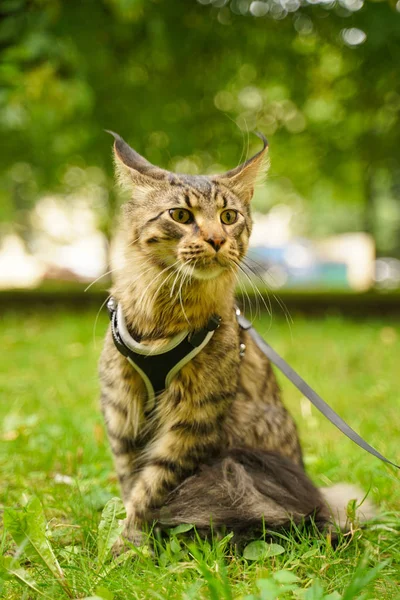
x,y
217,444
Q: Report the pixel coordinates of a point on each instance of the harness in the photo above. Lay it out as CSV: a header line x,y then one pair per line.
x,y
157,367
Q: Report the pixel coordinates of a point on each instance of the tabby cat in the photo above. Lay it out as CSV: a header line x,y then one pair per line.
x,y
218,445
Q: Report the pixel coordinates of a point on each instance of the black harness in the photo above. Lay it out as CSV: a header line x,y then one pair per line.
x,y
158,367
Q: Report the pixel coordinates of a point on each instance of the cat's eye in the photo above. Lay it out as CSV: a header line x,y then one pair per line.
x,y
181,215
229,216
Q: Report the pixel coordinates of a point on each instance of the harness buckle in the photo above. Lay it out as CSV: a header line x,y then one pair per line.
x,y
213,323
111,306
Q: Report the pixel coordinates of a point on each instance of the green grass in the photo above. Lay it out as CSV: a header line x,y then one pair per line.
x,y
53,447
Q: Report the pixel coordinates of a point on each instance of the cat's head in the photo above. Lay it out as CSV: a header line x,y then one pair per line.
x,y
197,224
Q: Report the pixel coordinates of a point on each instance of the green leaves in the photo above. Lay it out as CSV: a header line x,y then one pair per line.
x,y
281,582
101,594
9,567
110,528
317,592
181,529
28,528
259,549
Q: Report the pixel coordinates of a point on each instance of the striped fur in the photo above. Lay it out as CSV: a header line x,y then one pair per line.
x,y
168,277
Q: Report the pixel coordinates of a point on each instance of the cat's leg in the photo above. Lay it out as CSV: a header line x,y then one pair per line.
x,y
121,404
126,447
174,455
127,450
125,454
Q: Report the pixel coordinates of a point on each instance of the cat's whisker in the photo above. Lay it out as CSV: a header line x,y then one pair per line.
x,y
258,294
139,276
237,279
266,286
267,303
258,311
240,284
193,269
234,271
162,284
181,279
288,316
236,260
243,284
154,280
261,266
255,288
246,292
185,276
132,242
97,318
190,274
101,277
280,302
165,281
145,262
175,281
253,284
139,273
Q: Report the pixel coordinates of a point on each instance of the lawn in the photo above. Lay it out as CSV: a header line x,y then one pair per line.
x,y
54,457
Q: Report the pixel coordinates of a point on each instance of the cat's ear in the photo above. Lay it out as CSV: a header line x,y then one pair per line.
x,y
132,169
243,178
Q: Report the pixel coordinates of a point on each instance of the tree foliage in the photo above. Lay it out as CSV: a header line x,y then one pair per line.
x,y
184,81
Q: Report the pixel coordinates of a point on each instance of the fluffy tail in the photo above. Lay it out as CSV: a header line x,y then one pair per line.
x,y
248,490
337,499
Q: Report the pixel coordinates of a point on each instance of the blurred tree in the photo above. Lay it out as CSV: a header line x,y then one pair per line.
x,y
320,79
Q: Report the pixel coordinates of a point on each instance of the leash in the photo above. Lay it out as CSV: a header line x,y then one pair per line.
x,y
158,367
308,392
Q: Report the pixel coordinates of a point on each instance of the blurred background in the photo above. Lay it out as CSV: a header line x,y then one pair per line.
x,y
186,82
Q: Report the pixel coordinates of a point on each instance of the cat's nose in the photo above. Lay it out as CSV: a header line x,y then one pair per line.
x,y
216,242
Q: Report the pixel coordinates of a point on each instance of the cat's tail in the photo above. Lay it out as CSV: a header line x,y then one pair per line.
x,y
337,498
248,491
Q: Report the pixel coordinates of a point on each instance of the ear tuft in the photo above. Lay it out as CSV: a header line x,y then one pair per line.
x,y
243,178
133,169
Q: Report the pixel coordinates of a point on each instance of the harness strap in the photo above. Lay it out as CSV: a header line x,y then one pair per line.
x,y
157,367
308,392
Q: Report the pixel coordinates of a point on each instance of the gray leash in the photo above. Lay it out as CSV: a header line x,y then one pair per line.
x,y
308,392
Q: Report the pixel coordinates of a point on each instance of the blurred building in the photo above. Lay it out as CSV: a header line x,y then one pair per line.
x,y
344,261
66,245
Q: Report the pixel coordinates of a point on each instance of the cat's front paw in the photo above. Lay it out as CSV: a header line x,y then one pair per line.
x,y
131,536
